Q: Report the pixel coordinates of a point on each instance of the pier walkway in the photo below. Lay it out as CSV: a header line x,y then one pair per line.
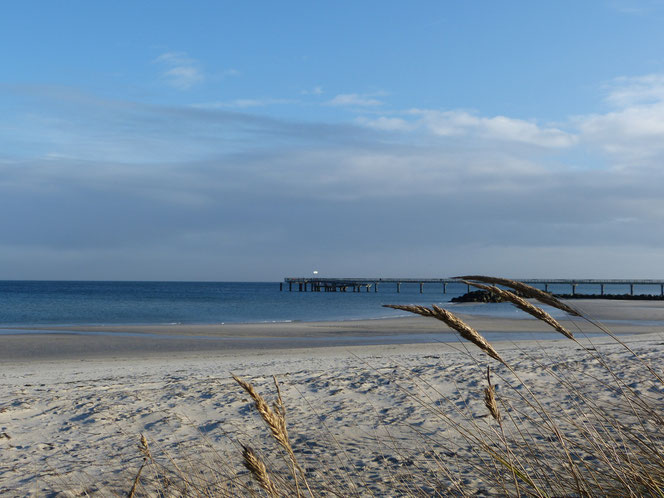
x,y
324,284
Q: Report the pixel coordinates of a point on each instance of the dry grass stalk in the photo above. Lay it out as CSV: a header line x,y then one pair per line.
x,y
274,419
490,397
258,469
145,449
526,290
146,457
134,486
524,305
455,323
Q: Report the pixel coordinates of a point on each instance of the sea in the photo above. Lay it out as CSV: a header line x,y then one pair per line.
x,y
39,303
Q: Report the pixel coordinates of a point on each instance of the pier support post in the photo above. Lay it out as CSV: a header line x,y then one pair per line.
x,y
376,287
546,287
631,289
300,287
661,288
281,286
444,287
421,284
573,289
601,287
290,286
398,287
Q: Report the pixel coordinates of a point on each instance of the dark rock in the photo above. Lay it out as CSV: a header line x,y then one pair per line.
x,y
480,296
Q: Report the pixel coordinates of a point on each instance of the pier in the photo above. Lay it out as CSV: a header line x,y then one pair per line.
x,y
324,284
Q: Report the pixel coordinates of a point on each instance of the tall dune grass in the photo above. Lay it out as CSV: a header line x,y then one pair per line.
x,y
595,434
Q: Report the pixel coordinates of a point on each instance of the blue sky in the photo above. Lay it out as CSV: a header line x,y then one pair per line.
x,y
257,140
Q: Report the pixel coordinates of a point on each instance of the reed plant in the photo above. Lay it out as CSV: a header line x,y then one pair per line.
x,y
530,441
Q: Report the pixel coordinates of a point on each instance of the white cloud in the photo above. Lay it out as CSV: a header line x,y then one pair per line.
x,y
172,173
624,92
632,135
502,128
459,123
355,100
182,72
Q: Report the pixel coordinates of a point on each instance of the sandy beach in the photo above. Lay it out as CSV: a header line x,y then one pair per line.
x,y
72,407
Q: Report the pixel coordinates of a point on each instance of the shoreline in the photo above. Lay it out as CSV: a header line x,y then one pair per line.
x,y
116,341
594,307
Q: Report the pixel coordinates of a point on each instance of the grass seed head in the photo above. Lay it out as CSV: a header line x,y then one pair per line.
x,y
490,398
273,418
524,305
454,322
525,289
258,469
412,308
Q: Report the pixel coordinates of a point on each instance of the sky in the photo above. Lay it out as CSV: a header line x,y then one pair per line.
x,y
250,141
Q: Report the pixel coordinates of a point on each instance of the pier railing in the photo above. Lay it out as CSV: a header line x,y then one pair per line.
x,y
354,284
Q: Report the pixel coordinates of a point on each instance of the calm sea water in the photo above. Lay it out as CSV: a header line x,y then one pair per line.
x,y
33,303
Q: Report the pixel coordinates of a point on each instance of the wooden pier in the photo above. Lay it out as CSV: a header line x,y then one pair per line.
x,y
323,284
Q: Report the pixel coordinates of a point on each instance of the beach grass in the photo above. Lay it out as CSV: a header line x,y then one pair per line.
x,y
531,424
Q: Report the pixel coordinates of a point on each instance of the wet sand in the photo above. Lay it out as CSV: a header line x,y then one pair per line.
x,y
116,341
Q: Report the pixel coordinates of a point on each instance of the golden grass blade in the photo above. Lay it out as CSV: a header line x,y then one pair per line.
x,y
146,457
258,469
453,322
273,419
490,397
412,308
524,305
145,449
279,406
526,290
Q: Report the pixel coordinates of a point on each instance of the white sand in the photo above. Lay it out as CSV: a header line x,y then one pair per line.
x,y
72,426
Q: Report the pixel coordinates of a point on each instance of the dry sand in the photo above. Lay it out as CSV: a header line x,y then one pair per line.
x,y
72,407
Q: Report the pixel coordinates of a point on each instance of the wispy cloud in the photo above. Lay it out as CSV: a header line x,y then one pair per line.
x,y
355,100
636,7
317,90
181,71
629,91
631,134
386,123
458,123
243,103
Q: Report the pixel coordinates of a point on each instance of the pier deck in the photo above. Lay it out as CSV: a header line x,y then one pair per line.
x,y
325,284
